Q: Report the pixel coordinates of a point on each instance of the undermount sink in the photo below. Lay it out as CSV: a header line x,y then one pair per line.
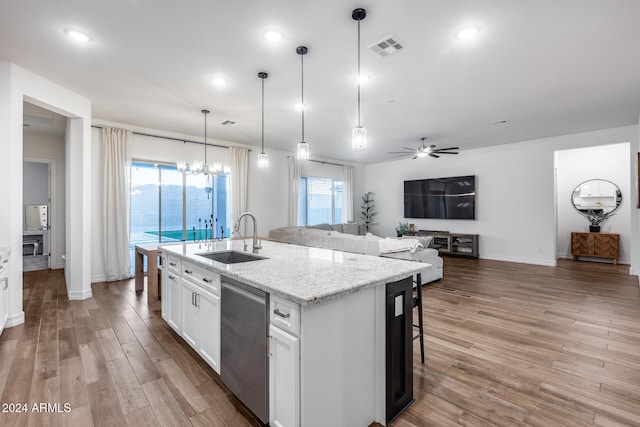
x,y
231,257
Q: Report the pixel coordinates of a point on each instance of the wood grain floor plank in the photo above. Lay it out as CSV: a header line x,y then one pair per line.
x,y
167,410
187,396
78,416
127,388
72,382
144,417
44,404
142,366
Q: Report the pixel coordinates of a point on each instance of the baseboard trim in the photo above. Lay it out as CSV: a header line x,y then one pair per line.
x,y
79,295
543,262
99,279
15,320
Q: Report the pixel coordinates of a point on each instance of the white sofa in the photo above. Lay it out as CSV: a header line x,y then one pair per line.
x,y
362,244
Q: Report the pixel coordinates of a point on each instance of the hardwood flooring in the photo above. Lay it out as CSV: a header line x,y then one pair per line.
x,y
506,344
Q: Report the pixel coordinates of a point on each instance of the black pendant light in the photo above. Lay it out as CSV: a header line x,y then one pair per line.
x,y
359,133
303,147
263,158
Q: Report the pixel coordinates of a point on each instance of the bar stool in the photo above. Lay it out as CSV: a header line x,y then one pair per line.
x,y
417,303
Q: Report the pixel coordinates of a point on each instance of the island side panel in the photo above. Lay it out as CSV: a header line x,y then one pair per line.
x,y
342,361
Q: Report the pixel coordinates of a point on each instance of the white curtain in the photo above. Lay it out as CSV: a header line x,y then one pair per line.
x,y
239,162
116,154
295,174
347,193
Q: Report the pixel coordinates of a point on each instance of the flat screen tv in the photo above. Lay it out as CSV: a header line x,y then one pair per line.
x,y
443,198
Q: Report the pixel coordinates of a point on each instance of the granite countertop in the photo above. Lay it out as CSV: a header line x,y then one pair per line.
x,y
301,274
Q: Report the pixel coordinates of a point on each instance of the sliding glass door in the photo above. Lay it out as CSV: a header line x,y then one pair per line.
x,y
168,207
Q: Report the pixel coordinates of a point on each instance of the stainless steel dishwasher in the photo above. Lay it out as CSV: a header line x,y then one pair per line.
x,y
244,366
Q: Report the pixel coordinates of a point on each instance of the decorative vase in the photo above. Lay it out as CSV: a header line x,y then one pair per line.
x,y
594,228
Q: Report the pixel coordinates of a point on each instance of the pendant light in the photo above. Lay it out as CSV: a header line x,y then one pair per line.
x,y
303,147
263,158
208,187
195,167
359,133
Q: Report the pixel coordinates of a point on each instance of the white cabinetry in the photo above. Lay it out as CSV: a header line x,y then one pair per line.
x,y
284,363
4,291
200,312
171,291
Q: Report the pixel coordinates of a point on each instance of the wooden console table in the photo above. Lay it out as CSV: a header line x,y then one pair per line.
x,y
597,245
151,252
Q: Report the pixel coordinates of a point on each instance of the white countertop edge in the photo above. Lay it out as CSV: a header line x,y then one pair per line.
x,y
410,268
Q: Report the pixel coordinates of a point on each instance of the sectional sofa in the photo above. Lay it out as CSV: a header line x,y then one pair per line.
x,y
351,238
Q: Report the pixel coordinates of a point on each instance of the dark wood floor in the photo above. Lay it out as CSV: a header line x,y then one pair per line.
x,y
507,344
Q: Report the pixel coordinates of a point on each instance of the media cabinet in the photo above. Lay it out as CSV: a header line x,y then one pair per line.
x,y
451,243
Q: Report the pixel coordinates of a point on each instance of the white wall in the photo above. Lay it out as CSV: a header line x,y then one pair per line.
x,y
18,85
51,149
35,178
515,209
576,166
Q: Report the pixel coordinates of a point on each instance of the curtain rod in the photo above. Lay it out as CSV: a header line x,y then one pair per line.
x,y
171,138
323,162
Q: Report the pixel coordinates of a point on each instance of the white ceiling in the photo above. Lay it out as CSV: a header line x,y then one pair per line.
x,y
550,67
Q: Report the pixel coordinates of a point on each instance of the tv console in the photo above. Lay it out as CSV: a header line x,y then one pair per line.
x,y
452,243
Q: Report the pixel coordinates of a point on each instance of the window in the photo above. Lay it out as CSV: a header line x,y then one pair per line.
x,y
320,201
167,206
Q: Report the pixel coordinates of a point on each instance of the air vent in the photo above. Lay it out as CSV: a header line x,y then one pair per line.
x,y
228,123
387,46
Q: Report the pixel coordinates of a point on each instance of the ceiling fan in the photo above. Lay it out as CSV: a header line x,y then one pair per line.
x,y
424,150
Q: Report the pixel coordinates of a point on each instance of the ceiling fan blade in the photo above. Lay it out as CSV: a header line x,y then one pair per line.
x,y
401,155
434,155
410,149
448,148
414,157
445,152
398,152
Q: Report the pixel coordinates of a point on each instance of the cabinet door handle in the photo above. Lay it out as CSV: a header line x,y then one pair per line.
x,y
6,283
197,303
171,277
193,298
172,264
188,271
277,312
207,280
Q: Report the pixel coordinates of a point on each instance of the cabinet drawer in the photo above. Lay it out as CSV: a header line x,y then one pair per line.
x,y
284,315
201,277
172,264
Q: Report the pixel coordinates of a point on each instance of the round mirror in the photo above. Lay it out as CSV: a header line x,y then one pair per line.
x,y
596,196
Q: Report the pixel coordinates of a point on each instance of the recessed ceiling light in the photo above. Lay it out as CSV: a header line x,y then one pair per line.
x,y
468,33
77,35
219,81
273,36
363,78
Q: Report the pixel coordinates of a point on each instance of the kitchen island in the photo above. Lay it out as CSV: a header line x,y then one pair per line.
x,y
337,323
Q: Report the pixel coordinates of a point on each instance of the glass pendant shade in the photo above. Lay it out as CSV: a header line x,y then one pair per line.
x,y
208,188
359,138
263,160
181,165
303,151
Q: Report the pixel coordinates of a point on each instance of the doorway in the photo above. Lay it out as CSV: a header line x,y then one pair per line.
x,y
43,188
36,198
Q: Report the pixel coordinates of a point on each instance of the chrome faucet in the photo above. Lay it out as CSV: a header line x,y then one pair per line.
x,y
236,228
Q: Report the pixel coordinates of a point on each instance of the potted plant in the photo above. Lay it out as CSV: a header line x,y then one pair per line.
x,y
368,210
402,229
596,217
